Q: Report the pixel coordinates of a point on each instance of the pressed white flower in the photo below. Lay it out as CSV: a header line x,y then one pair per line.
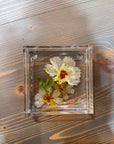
x,y
49,89
56,93
50,70
56,62
61,91
38,99
70,90
48,97
68,61
59,100
65,97
64,70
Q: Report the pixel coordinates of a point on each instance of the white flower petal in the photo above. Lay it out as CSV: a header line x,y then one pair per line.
x,y
59,100
49,89
74,76
77,70
66,97
56,93
37,96
74,70
68,61
70,90
73,81
56,62
38,99
50,70
42,93
38,103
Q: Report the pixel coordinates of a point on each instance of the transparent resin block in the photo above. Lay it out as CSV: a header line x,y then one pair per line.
x,y
58,80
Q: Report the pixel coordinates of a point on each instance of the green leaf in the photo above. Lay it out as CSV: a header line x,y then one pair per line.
x,y
49,82
40,78
41,83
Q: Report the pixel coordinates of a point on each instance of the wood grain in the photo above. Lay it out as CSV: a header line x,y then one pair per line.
x,y
12,10
67,22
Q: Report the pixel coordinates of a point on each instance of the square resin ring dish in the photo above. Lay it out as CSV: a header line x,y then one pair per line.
x,y
58,80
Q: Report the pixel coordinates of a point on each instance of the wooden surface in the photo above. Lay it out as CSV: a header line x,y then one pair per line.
x,y
55,22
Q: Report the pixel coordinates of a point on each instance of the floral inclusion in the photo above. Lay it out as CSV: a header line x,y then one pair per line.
x,y
64,75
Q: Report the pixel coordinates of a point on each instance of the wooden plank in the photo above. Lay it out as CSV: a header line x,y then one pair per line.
x,y
12,10
74,129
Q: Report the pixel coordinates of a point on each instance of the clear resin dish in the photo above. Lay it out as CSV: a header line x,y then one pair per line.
x,y
58,80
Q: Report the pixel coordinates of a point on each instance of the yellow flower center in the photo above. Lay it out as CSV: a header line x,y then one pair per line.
x,y
63,74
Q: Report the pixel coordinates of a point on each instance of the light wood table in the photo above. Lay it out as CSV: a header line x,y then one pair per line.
x,y
55,22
